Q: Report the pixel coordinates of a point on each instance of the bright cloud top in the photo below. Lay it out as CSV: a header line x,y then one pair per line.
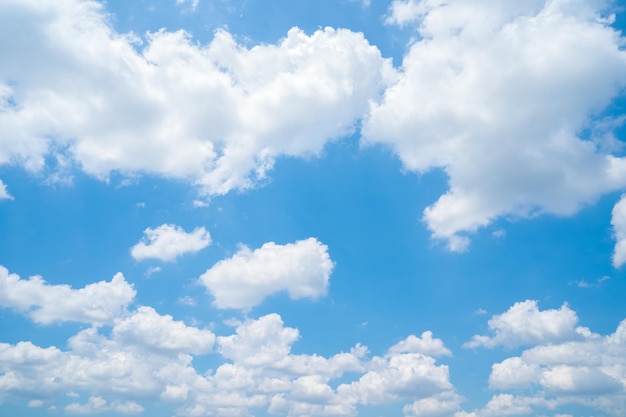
x,y
302,269
216,115
168,241
525,324
97,303
497,94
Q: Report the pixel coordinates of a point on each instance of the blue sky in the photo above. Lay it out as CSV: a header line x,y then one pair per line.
x,y
331,208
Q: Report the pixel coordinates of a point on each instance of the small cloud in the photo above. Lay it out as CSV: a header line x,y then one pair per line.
x,y
193,5
586,284
499,233
480,312
363,325
232,322
35,403
72,394
4,194
140,205
200,204
188,301
168,241
152,270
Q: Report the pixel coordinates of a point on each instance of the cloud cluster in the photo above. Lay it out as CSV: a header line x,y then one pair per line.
x,y
167,242
302,269
146,356
564,367
499,95
216,115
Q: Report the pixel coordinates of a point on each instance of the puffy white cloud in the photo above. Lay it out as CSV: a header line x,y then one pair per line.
x,y
424,344
146,327
496,94
302,269
524,324
168,241
4,193
217,115
97,303
440,405
618,221
589,371
259,342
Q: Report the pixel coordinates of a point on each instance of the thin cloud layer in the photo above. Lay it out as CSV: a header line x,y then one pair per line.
x,y
98,303
168,241
498,95
302,269
216,115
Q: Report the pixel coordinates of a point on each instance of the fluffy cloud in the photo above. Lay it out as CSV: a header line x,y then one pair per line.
x,y
145,326
216,115
524,324
4,193
497,94
618,221
97,303
589,371
136,362
424,344
302,269
167,242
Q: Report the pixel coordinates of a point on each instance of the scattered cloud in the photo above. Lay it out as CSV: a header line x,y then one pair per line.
x,y
152,270
192,4
97,303
524,324
168,241
510,86
4,193
302,269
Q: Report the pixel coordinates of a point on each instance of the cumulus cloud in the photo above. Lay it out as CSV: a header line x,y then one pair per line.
x,y
424,344
618,221
589,371
216,115
302,269
4,193
524,324
97,303
168,241
497,94
97,405
145,326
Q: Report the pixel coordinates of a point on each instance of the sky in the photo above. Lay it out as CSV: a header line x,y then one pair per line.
x,y
373,208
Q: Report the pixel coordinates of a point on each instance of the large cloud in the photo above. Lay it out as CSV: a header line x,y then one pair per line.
x,y
497,94
97,303
302,269
168,241
217,114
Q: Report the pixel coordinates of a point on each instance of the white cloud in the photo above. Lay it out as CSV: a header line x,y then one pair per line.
x,y
618,221
524,324
302,269
496,94
589,371
4,193
152,330
440,405
424,344
168,241
96,405
216,115
97,303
